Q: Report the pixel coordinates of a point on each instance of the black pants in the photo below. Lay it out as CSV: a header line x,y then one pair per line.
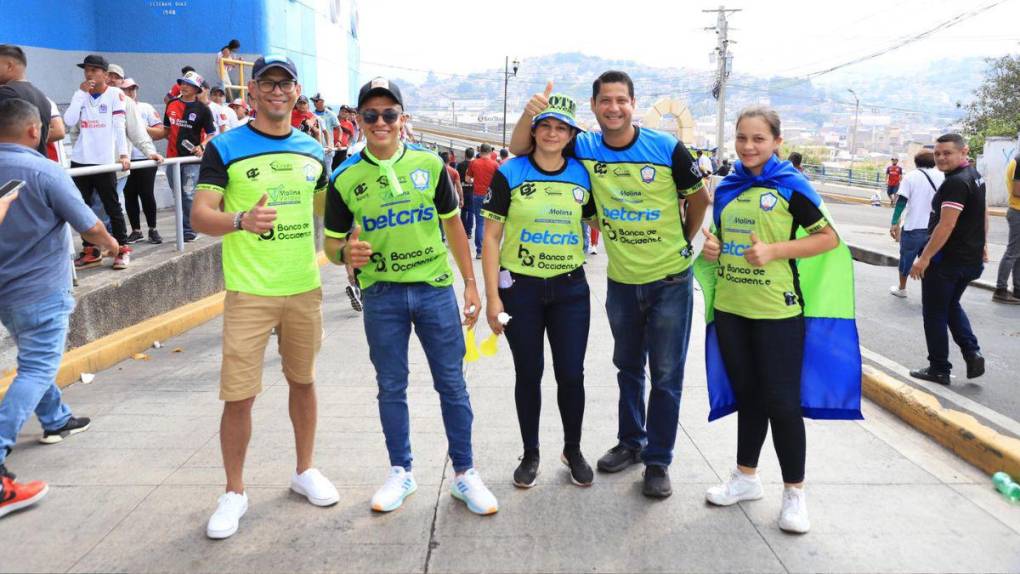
x,y
941,290
338,158
560,306
140,186
763,359
105,184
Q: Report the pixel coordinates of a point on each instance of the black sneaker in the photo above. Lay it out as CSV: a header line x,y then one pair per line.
x,y
154,237
354,294
618,458
134,237
656,482
527,471
190,236
930,374
975,365
74,425
1004,296
581,473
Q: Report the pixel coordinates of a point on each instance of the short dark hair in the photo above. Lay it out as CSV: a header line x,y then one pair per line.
x,y
795,158
187,69
953,138
15,115
445,156
13,52
485,148
469,153
612,77
504,152
233,44
924,158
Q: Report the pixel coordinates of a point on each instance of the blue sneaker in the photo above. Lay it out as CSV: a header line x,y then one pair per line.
x,y
399,485
469,489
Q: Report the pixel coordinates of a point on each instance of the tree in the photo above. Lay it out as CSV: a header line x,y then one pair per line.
x,y
995,110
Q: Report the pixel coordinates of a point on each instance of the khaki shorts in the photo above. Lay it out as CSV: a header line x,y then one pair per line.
x,y
248,321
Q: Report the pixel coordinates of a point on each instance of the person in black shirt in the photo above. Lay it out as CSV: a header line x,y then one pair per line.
x,y
954,256
469,191
14,85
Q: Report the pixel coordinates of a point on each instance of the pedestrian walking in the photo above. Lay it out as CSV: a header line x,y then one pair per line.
x,y
1010,264
910,217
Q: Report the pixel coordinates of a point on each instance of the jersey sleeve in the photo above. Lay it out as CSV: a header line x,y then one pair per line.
x,y
497,201
953,194
339,219
208,122
446,199
588,211
806,214
212,176
686,173
323,182
166,115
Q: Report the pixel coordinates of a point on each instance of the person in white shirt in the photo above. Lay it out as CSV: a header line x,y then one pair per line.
x,y
98,110
240,111
913,203
224,116
223,69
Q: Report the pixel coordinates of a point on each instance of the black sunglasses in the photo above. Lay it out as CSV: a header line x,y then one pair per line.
x,y
389,115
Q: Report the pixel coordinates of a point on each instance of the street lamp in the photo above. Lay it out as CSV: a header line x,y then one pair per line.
x,y
506,81
853,136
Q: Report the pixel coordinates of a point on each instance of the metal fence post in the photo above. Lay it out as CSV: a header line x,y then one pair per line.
x,y
178,206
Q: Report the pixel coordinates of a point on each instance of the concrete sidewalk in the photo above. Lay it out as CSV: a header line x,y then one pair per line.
x,y
134,492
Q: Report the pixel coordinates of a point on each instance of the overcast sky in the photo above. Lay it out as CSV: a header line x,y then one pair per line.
x,y
780,37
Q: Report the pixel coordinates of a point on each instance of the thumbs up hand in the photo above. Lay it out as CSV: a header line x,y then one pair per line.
x,y
712,248
760,253
539,102
357,252
259,219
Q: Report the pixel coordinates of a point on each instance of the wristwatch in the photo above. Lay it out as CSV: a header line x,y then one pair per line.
x,y
237,220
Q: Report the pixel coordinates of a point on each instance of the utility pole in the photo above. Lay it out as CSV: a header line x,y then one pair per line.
x,y
722,74
853,135
506,80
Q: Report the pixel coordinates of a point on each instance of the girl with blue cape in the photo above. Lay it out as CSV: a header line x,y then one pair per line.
x,y
781,338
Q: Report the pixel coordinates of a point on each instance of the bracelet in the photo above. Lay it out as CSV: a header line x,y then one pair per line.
x,y
237,220
466,279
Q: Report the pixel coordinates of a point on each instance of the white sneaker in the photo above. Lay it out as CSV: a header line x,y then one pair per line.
x,y
399,485
229,510
315,487
470,489
593,250
794,517
895,291
740,487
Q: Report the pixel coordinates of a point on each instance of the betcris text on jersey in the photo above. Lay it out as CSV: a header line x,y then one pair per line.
x,y
624,214
734,248
548,238
397,218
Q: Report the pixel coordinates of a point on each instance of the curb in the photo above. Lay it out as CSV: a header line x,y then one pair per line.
x,y
107,351
871,257
956,430
998,212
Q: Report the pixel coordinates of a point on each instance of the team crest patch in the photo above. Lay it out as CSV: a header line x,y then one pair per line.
x,y
579,194
768,201
192,116
102,108
310,172
420,179
648,174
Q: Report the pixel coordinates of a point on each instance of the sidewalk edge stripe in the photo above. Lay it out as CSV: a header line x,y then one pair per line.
x,y
107,351
958,431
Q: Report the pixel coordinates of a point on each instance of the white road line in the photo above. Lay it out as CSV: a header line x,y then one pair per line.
x,y
967,404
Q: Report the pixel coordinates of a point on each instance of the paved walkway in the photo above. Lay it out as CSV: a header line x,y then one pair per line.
x,y
134,492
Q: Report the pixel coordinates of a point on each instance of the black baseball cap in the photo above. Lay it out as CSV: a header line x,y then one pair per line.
x,y
380,87
97,61
268,62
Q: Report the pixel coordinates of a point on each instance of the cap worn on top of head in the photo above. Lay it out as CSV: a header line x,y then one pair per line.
x,y
560,107
302,99
380,87
217,88
95,60
115,69
271,61
238,102
317,97
128,83
192,79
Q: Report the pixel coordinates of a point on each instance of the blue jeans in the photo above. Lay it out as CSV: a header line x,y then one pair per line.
x,y
40,331
561,307
189,177
650,322
476,210
390,309
467,215
941,289
586,233
911,244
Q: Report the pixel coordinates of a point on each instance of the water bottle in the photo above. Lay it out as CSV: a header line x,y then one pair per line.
x,y
1005,485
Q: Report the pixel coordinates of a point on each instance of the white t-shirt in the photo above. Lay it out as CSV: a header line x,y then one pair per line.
x,y
219,117
148,117
919,193
232,121
100,120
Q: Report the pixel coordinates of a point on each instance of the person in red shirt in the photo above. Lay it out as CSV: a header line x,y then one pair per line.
x,y
303,119
480,172
893,174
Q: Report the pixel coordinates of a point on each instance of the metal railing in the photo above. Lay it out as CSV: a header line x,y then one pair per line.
x,y
171,163
861,177
225,77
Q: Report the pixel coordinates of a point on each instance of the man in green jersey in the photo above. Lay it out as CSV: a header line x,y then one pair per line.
x,y
258,187
383,212
639,177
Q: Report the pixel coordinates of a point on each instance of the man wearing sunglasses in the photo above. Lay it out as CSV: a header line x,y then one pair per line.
x,y
384,208
269,179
